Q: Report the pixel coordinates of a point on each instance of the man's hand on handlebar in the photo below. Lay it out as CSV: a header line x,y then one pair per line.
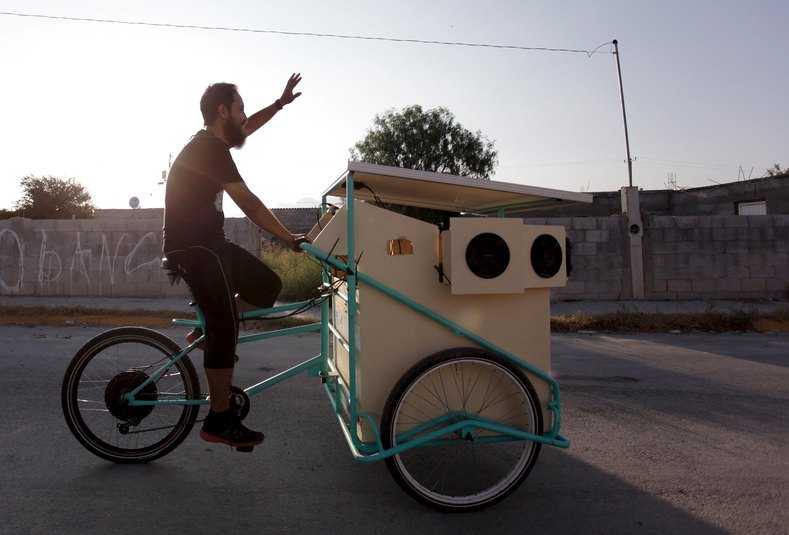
x,y
298,239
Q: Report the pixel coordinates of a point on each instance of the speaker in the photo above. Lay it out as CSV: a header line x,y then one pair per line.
x,y
549,256
503,256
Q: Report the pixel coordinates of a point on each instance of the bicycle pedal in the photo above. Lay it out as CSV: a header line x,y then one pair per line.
x,y
245,449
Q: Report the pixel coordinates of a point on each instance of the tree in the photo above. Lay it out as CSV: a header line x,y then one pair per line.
x,y
54,198
427,141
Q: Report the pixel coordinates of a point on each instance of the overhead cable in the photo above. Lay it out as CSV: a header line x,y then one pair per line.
x,y
302,34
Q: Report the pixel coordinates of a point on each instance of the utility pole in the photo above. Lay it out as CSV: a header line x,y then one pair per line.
x,y
631,206
624,115
167,172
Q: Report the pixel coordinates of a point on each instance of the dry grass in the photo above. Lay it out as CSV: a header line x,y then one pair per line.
x,y
622,321
82,316
626,321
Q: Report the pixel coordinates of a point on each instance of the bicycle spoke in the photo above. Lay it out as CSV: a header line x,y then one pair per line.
x,y
105,372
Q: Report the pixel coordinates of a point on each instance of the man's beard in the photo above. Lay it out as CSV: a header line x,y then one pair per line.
x,y
234,134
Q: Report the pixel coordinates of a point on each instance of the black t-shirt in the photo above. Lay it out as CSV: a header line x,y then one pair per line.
x,y
193,200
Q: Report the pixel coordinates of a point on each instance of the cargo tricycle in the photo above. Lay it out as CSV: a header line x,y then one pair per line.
x,y
434,341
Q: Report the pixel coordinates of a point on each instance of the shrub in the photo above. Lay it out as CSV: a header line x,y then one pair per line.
x,y
301,275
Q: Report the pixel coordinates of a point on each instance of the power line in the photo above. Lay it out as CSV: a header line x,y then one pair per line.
x,y
303,34
567,163
699,165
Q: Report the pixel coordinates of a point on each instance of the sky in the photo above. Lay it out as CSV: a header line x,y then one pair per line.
x,y
705,87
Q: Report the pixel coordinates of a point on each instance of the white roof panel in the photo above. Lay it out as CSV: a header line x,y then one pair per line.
x,y
447,192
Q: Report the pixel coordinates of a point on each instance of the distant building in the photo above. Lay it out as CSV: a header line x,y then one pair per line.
x,y
298,220
760,196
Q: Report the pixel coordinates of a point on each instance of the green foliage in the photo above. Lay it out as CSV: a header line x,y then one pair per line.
x,y
300,274
427,141
54,198
776,170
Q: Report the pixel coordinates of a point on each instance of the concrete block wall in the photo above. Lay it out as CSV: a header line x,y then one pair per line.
x,y
598,255
717,257
93,257
684,257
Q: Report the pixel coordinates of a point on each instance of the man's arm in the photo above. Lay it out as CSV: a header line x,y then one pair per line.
x,y
259,214
258,119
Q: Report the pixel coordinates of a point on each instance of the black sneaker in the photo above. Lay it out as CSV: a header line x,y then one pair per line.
x,y
226,428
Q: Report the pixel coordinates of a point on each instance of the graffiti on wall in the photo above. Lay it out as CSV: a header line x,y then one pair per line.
x,y
107,262
12,266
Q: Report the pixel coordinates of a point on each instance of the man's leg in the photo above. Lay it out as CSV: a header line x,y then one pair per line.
x,y
257,285
207,272
219,382
208,275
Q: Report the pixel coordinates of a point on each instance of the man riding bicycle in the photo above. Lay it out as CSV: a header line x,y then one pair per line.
x,y
215,268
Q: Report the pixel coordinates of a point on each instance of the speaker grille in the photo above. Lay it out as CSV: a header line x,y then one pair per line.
x,y
546,256
487,255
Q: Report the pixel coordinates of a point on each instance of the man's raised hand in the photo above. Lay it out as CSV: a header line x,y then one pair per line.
x,y
288,95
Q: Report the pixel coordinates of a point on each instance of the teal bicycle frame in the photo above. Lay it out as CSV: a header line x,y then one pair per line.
x,y
343,396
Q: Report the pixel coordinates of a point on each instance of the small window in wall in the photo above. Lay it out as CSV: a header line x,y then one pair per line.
x,y
752,208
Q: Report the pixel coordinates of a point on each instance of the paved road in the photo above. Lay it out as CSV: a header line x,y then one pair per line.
x,y
671,434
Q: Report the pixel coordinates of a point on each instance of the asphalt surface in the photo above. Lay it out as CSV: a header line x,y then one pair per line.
x,y
671,433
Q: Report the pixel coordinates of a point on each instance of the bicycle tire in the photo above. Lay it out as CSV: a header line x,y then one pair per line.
x,y
112,364
469,469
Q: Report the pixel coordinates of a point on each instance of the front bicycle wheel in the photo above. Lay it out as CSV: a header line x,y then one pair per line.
x,y
113,364
471,467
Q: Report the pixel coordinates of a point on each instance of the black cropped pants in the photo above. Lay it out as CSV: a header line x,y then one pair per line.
x,y
215,273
